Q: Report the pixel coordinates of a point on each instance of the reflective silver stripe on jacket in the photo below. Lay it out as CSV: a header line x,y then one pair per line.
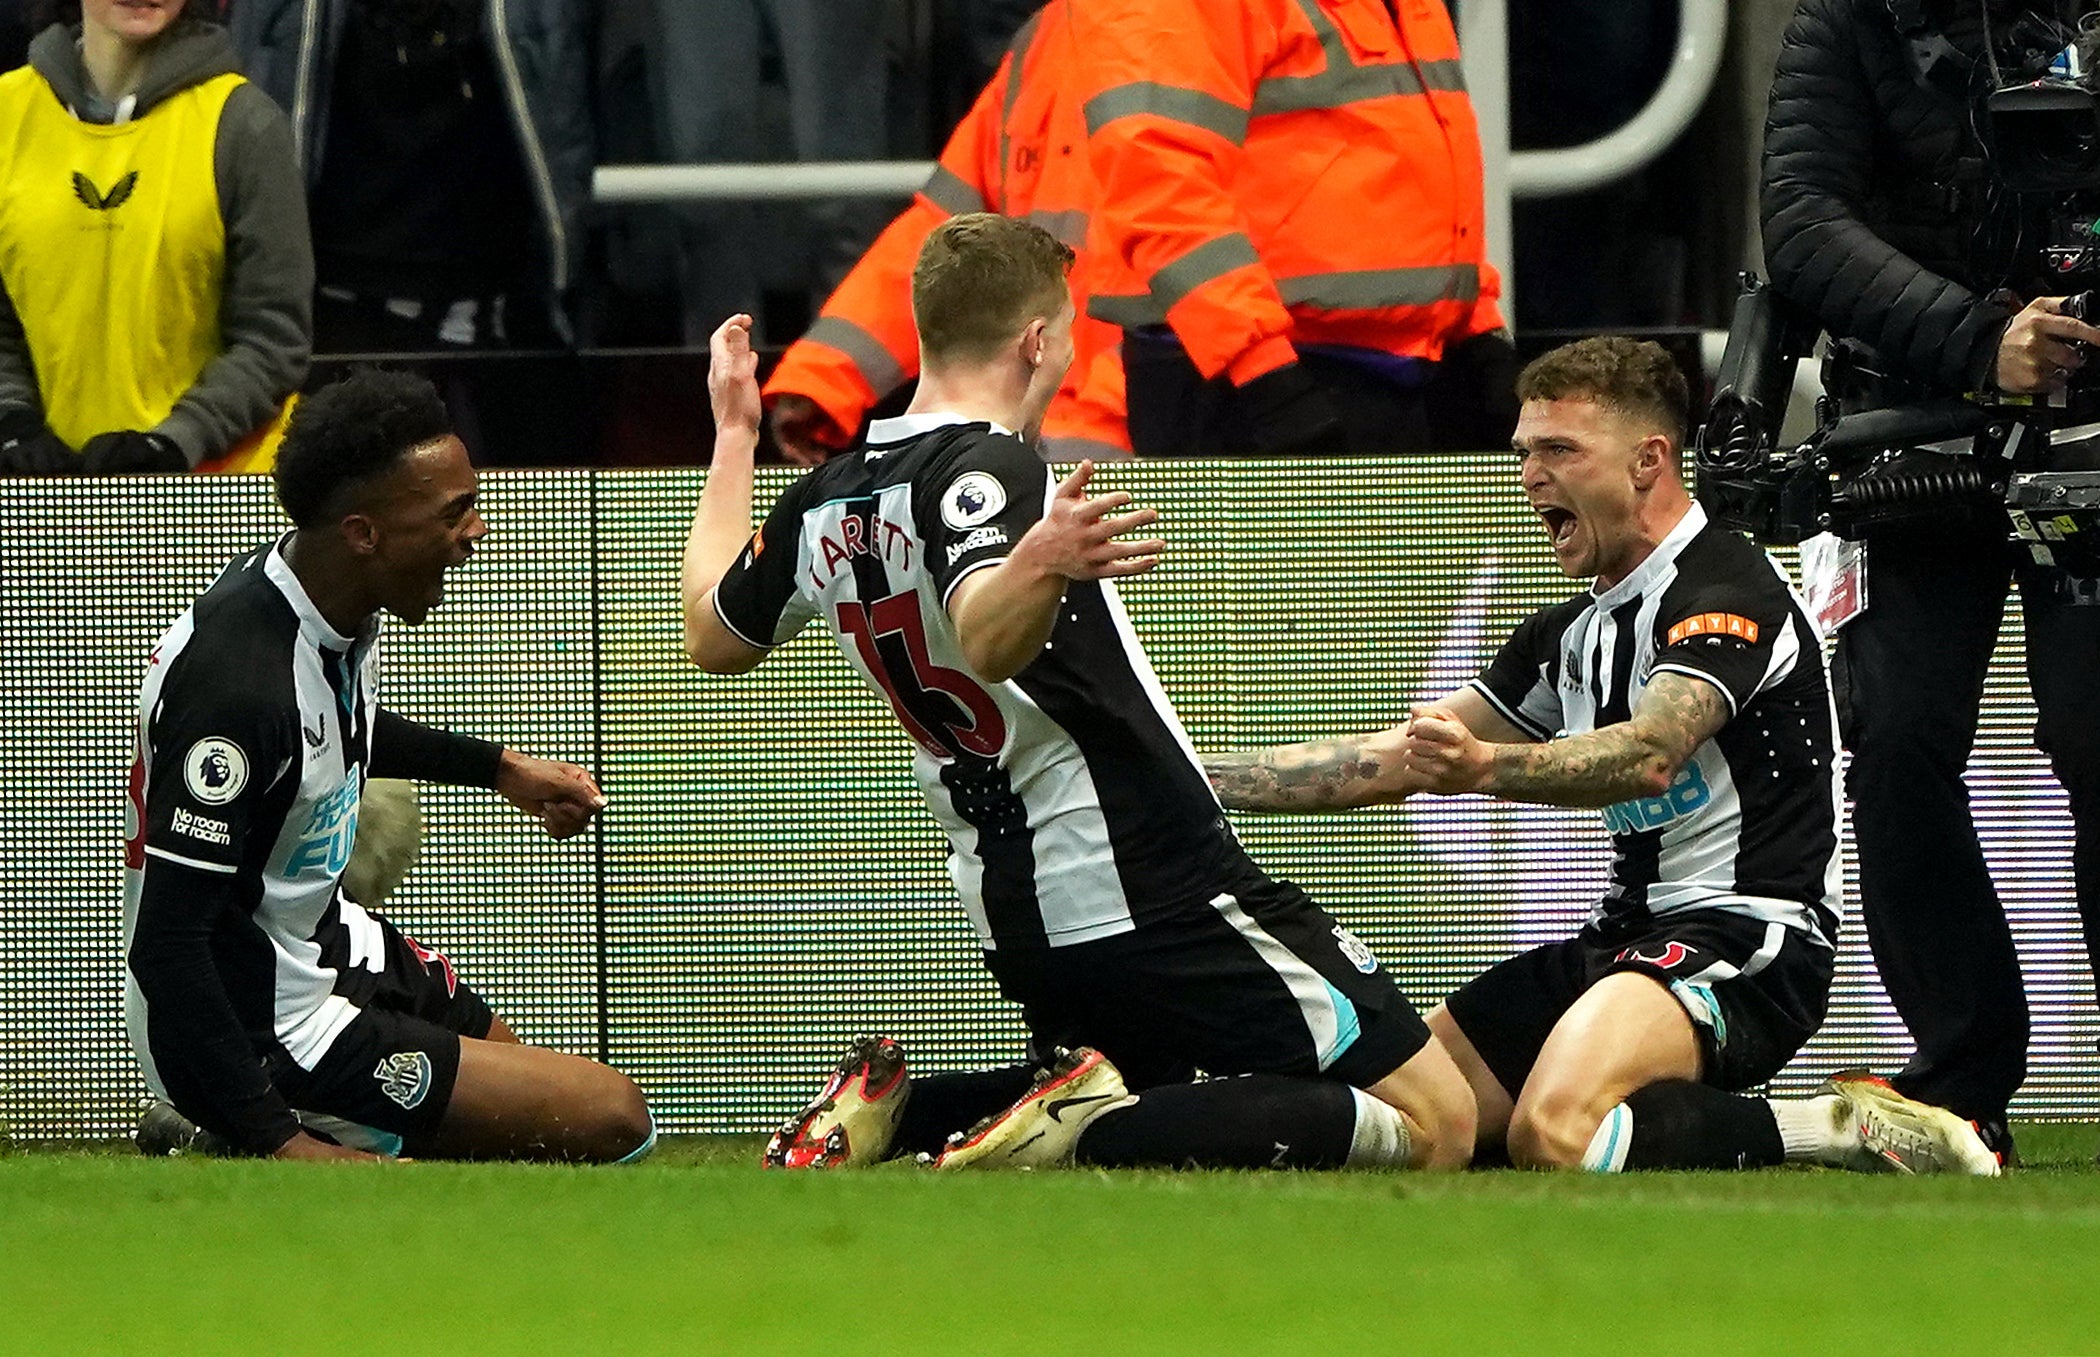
x,y
1366,289
1344,82
303,79
1352,290
1018,53
1068,226
877,366
1176,103
528,137
947,190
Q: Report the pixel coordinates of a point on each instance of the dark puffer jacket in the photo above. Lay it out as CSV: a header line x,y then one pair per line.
x,y
1876,205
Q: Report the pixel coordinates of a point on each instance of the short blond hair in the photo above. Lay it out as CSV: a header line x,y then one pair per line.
x,y
981,278
1635,377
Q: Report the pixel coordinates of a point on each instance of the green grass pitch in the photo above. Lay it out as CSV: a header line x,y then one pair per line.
x,y
697,1251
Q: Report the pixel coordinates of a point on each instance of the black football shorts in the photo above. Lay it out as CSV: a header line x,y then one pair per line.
x,y
1261,981
390,1072
1755,992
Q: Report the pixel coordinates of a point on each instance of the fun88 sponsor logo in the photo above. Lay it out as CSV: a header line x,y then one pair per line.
x,y
1687,794
324,844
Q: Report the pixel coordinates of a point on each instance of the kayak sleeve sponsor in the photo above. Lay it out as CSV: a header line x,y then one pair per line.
x,y
1714,624
1727,634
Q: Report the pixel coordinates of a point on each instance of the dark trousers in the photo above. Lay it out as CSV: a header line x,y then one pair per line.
x,y
1909,678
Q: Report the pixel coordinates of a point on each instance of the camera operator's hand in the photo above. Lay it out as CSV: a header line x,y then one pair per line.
x,y
2040,352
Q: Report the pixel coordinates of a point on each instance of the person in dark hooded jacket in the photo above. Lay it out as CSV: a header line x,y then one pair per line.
x,y
155,269
1884,215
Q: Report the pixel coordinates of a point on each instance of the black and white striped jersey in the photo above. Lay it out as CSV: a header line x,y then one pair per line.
x,y
1750,826
1072,799
257,722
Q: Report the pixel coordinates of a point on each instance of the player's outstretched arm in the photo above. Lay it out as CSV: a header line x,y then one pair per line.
x,y
1633,758
722,521
1321,775
1360,770
1004,615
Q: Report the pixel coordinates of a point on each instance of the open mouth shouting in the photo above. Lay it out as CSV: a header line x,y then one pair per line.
x,y
1560,525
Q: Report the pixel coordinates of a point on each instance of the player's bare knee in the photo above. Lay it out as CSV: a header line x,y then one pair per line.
x,y
617,1122
1551,1132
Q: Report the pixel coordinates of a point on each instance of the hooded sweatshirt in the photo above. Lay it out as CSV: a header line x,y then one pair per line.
x,y
156,273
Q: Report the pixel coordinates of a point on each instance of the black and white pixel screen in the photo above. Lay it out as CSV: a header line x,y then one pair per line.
x,y
765,882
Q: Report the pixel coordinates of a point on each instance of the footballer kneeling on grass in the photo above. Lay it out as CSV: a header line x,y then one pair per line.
x,y
272,1013
1682,694
976,592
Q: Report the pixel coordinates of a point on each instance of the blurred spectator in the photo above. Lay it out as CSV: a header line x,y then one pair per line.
x,y
1289,226
447,146
14,34
970,38
835,64
153,250
1021,151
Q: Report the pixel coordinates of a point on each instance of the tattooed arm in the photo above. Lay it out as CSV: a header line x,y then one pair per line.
x,y
1361,770
1627,759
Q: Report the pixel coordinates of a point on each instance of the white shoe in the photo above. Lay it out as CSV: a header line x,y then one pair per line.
x,y
1901,1135
1041,1129
855,1117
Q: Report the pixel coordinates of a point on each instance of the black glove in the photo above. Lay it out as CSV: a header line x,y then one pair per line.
x,y
129,452
1472,399
28,448
1286,411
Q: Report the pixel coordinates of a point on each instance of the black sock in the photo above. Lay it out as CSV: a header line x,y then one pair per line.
x,y
1256,1121
942,1104
1678,1124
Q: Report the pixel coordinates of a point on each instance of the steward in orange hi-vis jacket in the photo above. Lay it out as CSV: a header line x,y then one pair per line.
x,y
1289,225
1020,151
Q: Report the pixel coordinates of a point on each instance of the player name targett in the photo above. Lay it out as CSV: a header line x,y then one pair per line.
x,y
855,537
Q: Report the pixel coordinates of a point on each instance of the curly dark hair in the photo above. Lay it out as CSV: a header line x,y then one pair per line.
x,y
349,432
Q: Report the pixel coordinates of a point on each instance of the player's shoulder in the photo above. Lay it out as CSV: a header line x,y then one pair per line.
x,y
1722,564
1724,548
950,449
244,597
243,632
961,473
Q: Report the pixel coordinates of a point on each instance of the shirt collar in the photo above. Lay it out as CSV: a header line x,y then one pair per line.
x,y
900,427
1641,576
315,627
